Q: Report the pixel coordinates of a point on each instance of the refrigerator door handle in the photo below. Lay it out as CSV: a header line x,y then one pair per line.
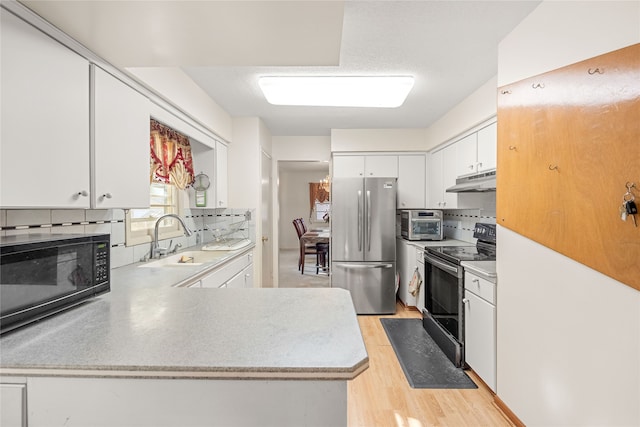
x,y
360,219
356,266
368,221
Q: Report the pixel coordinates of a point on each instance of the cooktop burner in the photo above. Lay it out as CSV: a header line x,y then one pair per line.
x,y
457,254
484,250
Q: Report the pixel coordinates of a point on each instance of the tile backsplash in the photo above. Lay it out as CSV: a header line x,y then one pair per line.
x,y
459,223
207,224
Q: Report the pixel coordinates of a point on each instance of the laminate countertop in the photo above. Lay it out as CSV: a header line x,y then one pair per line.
x,y
147,328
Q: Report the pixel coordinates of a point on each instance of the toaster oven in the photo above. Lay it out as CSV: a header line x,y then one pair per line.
x,y
421,224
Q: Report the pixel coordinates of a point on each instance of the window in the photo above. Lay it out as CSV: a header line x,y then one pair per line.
x,y
164,199
322,209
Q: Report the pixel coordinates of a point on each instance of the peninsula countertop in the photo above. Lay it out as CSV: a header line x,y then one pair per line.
x,y
145,328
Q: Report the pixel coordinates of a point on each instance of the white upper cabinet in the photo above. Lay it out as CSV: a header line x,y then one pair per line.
x,y
381,166
487,147
365,166
442,172
467,154
44,160
477,152
411,181
348,166
222,184
120,144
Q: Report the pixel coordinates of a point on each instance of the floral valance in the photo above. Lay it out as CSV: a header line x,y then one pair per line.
x,y
317,193
171,161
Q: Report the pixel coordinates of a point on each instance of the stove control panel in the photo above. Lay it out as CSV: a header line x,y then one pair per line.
x,y
485,232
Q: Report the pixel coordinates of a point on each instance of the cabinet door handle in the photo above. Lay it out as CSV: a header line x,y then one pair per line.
x,y
465,301
82,193
105,196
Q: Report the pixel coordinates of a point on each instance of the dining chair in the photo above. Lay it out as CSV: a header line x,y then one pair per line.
x,y
304,249
322,257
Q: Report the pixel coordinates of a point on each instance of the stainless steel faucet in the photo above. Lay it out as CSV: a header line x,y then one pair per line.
x,y
156,250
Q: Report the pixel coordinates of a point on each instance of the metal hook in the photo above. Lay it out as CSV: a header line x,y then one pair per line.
x,y
538,85
593,71
512,147
553,167
629,186
505,92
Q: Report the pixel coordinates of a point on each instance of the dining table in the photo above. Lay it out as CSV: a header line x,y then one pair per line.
x,y
312,237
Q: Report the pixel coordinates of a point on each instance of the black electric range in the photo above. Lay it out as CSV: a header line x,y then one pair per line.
x,y
443,315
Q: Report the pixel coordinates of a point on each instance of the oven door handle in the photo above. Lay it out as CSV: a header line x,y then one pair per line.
x,y
440,264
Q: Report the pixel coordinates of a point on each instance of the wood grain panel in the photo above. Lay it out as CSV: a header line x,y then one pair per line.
x,y
568,142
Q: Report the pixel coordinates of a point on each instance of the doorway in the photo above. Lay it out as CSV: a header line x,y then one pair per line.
x,y
293,201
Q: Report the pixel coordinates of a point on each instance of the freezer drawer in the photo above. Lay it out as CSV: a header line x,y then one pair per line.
x,y
372,285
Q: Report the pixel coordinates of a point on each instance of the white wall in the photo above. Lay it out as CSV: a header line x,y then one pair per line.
x,y
244,172
568,336
300,148
473,110
177,87
377,140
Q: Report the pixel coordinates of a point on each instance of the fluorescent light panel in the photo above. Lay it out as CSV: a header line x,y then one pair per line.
x,y
336,91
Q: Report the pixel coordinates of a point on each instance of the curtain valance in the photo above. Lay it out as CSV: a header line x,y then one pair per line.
x,y
317,192
171,161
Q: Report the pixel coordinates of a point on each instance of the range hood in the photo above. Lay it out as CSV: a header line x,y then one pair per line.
x,y
481,182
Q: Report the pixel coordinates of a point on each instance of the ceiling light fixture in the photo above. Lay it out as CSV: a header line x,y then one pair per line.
x,y
336,91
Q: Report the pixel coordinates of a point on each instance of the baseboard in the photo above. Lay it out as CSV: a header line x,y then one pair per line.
x,y
507,412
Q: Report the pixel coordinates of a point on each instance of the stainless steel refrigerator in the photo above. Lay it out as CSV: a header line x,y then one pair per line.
x,y
363,242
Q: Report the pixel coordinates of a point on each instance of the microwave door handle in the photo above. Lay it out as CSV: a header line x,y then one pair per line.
x,y
360,218
368,221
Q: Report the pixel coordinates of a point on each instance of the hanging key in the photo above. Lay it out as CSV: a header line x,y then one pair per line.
x,y
631,209
623,212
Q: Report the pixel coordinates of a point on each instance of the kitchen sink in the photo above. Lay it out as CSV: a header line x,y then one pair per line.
x,y
186,259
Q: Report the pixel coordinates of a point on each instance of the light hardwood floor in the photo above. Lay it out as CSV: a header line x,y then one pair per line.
x,y
381,396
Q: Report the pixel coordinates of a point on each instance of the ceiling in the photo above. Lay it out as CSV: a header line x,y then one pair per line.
x,y
450,47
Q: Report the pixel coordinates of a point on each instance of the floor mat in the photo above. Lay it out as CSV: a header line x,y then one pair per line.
x,y
423,363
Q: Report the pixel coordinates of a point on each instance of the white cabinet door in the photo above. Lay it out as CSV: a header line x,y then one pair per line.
x,y
434,180
381,166
222,181
467,152
480,338
121,144
420,265
13,405
369,166
487,147
44,159
442,174
449,175
248,276
348,166
403,269
411,181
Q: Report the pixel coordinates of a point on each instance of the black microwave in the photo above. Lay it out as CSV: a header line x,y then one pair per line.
x,y
42,274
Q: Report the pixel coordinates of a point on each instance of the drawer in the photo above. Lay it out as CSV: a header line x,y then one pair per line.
x,y
481,287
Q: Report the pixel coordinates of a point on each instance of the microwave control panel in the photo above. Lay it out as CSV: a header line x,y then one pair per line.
x,y
102,262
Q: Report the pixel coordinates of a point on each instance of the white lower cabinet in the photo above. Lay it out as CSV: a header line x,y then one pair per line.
x,y
408,259
480,327
232,274
13,405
